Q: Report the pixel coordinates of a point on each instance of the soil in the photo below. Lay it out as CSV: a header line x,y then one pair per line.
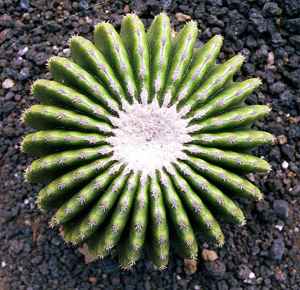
x,y
264,254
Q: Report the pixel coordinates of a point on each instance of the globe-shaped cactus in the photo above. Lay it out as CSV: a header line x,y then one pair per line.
x,y
141,138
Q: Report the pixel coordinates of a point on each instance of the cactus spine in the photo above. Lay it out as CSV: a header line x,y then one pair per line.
x,y
139,137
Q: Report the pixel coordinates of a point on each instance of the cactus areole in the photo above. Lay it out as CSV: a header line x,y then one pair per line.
x,y
140,137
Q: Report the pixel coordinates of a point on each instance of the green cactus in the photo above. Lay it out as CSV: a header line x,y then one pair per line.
x,y
140,138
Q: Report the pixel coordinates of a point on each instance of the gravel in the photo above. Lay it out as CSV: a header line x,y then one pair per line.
x,y
264,254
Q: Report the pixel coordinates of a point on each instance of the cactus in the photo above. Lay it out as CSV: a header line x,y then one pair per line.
x,y
141,138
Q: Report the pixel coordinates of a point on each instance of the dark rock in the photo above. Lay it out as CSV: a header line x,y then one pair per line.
x,y
52,26
258,20
83,4
37,260
115,280
277,39
6,21
293,77
286,97
4,35
16,246
142,7
292,7
288,151
295,40
109,265
215,2
280,275
262,53
40,58
24,4
249,68
241,6
215,269
24,74
277,88
222,285
243,272
277,249
237,25
281,209
292,25
251,42
272,8
7,107
296,190
166,4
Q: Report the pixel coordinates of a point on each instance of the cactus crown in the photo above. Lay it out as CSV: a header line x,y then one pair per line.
x,y
139,136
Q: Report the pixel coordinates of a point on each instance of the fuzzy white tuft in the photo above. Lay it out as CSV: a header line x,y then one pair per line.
x,y
149,137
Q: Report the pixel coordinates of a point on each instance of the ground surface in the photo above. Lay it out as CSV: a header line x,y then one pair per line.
x,y
265,254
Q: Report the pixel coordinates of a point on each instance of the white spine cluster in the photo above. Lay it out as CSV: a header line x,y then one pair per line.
x,y
149,137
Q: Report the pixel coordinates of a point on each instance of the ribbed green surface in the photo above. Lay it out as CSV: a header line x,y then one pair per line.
x,y
99,199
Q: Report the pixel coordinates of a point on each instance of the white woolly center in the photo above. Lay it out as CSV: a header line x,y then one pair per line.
x,y
149,137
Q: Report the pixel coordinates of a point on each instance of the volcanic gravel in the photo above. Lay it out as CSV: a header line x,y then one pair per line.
x,y
264,254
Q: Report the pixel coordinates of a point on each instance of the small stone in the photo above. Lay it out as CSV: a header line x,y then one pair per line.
x,y
270,59
295,41
281,208
209,255
16,246
24,4
24,74
272,8
292,25
277,249
66,51
293,77
52,26
23,51
258,20
40,58
216,269
126,9
279,275
148,285
7,107
93,280
277,39
109,265
115,280
3,35
190,266
8,83
285,165
292,7
182,17
83,4
277,88
296,190
244,272
166,3
88,258
282,139
279,227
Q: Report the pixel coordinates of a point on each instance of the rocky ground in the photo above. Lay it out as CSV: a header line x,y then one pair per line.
x,y
265,254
